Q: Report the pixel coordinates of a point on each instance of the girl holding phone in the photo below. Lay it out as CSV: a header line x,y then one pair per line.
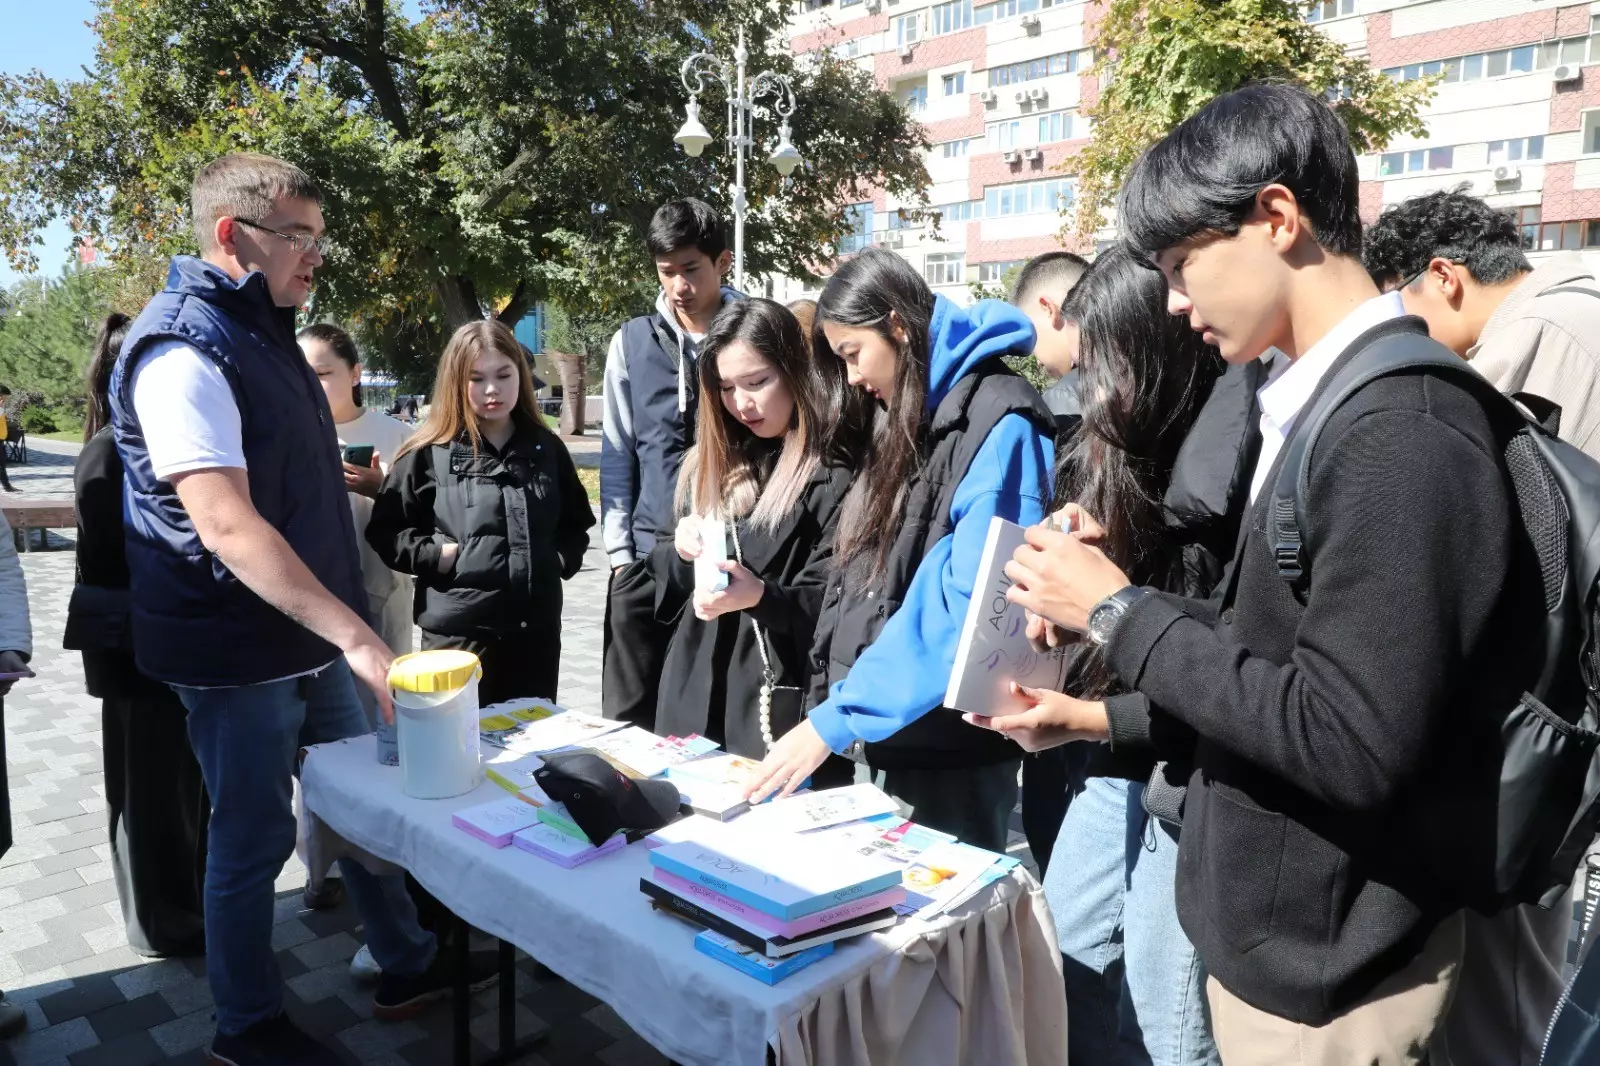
x,y
485,509
953,438
376,438
737,662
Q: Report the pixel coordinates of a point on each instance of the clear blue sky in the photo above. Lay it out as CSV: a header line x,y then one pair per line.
x,y
54,37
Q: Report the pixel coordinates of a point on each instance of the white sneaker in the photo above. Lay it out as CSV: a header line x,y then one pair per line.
x,y
364,967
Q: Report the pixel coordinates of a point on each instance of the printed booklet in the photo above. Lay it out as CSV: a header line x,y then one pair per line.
x,y
994,649
768,971
774,947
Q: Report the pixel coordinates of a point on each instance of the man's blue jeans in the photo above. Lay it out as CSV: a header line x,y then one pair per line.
x,y
1135,987
247,740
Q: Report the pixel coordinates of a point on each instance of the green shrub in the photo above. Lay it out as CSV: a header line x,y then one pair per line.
x,y
39,419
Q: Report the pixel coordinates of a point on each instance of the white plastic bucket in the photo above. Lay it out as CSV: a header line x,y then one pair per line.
x,y
438,740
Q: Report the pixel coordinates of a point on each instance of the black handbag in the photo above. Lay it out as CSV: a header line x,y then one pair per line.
x,y
98,619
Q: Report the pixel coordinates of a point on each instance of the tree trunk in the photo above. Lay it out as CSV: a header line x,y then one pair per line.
x,y
569,368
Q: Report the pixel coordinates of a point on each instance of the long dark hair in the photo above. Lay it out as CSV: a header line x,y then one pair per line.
x,y
107,346
731,472
340,344
878,290
1143,377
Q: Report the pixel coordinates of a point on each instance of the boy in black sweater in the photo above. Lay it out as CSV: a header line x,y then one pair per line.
x,y
1342,810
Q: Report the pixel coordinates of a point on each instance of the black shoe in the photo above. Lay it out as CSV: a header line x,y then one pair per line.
x,y
274,1042
331,896
400,996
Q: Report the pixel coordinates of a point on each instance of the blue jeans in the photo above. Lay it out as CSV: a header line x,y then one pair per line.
x,y
1135,987
247,740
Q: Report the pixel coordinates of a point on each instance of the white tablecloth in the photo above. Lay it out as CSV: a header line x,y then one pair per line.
x,y
981,986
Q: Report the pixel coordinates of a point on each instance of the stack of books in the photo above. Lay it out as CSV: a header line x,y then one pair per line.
x,y
777,896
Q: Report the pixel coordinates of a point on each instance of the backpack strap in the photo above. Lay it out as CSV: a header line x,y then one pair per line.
x,y
1391,348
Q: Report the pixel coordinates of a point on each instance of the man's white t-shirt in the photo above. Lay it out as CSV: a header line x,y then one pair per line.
x,y
187,411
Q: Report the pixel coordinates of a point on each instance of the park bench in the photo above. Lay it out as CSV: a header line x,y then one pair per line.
x,y
24,515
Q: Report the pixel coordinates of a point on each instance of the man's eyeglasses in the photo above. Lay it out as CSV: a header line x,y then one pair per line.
x,y
300,242
1421,271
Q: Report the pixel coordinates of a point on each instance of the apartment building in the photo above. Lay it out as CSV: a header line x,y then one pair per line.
x,y
1002,86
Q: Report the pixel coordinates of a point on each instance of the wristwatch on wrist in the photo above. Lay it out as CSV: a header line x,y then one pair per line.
x,y
1105,615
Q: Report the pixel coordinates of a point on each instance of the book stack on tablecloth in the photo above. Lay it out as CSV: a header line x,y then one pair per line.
x,y
772,900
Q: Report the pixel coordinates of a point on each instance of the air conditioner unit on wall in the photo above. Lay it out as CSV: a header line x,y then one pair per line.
x,y
1038,94
1030,154
874,6
906,49
1030,23
1009,155
987,96
1022,96
1505,175
1565,72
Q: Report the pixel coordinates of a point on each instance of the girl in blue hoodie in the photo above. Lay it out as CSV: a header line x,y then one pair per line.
x,y
950,438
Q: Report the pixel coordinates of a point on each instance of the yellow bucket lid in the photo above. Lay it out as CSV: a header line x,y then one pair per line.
x,y
433,671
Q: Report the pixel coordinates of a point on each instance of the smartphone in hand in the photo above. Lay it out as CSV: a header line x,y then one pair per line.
x,y
358,455
713,550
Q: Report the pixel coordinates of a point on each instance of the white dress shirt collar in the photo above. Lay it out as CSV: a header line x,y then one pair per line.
x,y
1291,385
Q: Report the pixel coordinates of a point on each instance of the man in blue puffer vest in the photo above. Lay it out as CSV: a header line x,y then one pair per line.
x,y
245,582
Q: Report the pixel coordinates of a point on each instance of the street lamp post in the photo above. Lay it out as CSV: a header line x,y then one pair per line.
x,y
742,94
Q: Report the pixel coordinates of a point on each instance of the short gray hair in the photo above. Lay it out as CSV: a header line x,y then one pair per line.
x,y
244,185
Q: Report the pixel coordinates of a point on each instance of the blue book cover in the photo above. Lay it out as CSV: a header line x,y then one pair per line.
x,y
787,876
763,969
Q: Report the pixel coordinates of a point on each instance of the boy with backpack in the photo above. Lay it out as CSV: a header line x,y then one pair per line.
x,y
1342,699
1458,264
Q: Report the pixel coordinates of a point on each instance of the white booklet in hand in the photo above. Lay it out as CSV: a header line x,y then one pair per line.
x,y
994,649
708,577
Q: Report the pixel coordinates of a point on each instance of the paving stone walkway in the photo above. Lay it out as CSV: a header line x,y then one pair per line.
x,y
63,955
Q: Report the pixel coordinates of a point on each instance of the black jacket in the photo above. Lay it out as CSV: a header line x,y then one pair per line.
x,y
711,680
519,514
1204,503
102,563
1346,772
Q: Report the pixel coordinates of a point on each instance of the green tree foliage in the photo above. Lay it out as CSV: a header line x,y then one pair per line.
x,y
1162,60
46,337
492,154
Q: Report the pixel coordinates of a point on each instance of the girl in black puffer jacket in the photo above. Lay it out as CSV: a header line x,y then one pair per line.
x,y
485,508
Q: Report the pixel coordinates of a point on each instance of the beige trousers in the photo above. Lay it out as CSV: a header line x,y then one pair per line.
x,y
1391,1027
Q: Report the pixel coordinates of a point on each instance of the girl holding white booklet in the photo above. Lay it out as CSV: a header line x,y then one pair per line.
x,y
738,657
950,439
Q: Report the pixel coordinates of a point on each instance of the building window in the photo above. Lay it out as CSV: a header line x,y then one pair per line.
x,y
1519,60
1516,150
917,99
906,29
960,211
951,17
956,149
1528,223
848,3
1004,9
1416,161
1591,132
1047,66
858,234
1027,198
995,272
1330,9
1568,236
1056,126
954,84
899,220
945,269
1004,136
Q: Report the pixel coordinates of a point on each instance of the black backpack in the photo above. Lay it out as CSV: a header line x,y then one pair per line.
x,y
1549,801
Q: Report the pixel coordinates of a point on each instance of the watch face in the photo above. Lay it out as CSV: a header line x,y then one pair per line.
x,y
1102,620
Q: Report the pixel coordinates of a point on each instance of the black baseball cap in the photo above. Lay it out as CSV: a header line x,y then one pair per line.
x,y
602,799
